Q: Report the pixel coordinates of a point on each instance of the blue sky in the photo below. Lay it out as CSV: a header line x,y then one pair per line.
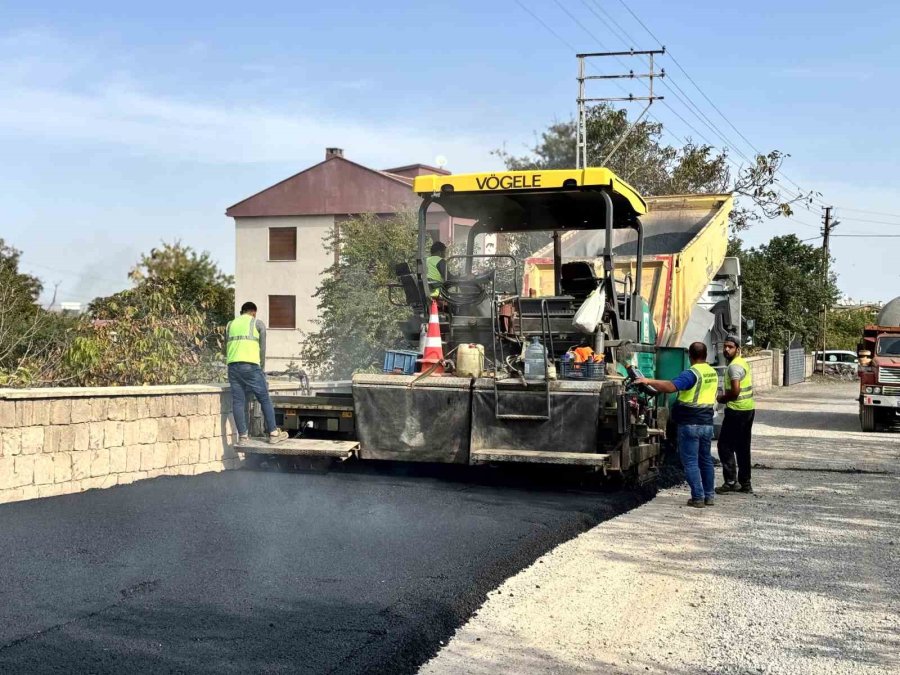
x,y
129,123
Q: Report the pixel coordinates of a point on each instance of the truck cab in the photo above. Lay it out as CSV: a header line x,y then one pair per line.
x,y
879,377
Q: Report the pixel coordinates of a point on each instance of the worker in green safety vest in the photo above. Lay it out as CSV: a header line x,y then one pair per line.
x,y
693,413
436,267
245,353
737,427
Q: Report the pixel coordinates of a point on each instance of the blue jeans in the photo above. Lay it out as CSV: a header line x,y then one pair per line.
x,y
694,442
248,378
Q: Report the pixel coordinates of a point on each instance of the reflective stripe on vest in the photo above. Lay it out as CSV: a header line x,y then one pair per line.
x,y
243,340
434,274
744,400
703,393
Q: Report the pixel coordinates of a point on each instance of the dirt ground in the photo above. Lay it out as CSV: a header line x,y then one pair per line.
x,y
801,577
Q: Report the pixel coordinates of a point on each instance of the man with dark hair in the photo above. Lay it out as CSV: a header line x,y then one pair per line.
x,y
693,413
436,266
245,353
734,438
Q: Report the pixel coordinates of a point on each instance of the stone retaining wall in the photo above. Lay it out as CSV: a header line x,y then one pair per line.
x,y
761,370
64,440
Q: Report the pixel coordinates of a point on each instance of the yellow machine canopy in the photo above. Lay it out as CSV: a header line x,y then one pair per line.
x,y
557,199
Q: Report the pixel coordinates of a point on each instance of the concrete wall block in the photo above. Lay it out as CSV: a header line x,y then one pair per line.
x,y
194,451
11,495
182,429
59,438
149,430
52,490
30,492
117,459
7,473
32,440
117,409
186,451
114,434
43,469
98,482
96,431
99,462
62,467
131,432
81,465
143,407
12,442
197,427
172,406
8,414
156,473
33,413
160,455
61,411
23,472
125,479
81,410
81,436
132,458
99,409
173,457
148,457
189,404
165,429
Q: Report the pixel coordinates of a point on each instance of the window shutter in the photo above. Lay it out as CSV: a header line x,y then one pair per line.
x,y
282,311
282,243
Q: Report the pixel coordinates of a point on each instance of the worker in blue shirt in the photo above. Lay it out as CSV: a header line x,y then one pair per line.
x,y
693,413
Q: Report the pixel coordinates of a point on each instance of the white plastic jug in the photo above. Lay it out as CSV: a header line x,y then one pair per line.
x,y
535,360
470,360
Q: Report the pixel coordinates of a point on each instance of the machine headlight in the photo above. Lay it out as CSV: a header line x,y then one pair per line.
x,y
868,390
876,390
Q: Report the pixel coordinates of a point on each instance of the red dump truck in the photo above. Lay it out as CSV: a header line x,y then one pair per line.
x,y
879,370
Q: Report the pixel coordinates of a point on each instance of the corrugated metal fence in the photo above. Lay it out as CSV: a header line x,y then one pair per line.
x,y
794,366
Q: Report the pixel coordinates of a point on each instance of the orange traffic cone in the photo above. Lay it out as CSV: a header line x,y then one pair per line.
x,y
434,350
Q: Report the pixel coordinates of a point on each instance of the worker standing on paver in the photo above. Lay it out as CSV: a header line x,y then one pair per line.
x,y
734,438
693,413
245,353
436,265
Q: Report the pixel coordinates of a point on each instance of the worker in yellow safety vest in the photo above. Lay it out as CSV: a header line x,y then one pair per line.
x,y
245,354
737,427
693,413
436,267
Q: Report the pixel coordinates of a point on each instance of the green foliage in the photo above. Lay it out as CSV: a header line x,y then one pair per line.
x,y
356,321
156,338
845,326
655,168
193,279
783,291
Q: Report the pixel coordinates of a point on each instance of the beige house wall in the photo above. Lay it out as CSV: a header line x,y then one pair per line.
x,y
256,277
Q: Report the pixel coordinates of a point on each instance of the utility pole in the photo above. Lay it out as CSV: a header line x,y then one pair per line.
x,y
581,155
826,232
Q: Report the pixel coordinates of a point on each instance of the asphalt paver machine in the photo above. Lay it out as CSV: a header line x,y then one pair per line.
x,y
496,415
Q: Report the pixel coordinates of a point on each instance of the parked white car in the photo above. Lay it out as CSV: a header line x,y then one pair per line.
x,y
838,361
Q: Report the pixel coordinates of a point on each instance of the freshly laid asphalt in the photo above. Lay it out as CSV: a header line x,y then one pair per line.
x,y
359,570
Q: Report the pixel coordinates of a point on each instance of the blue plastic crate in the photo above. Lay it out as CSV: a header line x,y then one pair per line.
x,y
569,370
400,362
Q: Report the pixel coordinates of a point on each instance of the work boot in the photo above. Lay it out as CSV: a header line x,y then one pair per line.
x,y
278,436
709,501
747,488
727,488
696,503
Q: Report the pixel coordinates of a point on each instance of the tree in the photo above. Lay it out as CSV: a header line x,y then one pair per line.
x,y
194,280
845,325
356,320
655,168
31,338
783,291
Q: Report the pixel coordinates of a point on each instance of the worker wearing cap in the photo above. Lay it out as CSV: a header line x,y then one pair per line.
x,y
693,413
245,353
734,437
436,266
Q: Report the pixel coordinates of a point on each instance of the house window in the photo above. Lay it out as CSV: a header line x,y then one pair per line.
x,y
282,243
282,311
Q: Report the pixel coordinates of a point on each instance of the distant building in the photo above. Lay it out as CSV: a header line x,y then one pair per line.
x,y
279,235
71,308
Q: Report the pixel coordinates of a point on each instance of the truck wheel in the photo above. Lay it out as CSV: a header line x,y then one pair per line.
x,y
867,417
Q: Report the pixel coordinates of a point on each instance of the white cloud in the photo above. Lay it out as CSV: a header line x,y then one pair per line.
x,y
54,100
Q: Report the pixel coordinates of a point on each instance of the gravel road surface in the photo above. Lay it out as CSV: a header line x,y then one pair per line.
x,y
263,572
802,577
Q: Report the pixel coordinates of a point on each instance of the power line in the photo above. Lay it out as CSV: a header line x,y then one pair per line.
x,y
874,213
865,236
866,220
702,93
